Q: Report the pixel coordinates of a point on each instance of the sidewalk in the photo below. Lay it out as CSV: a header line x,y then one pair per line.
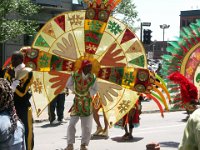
x,y
147,107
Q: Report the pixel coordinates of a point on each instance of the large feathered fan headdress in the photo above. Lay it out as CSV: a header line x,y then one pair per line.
x,y
183,56
189,91
117,56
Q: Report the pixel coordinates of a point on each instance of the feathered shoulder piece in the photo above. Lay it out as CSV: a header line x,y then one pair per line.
x,y
189,91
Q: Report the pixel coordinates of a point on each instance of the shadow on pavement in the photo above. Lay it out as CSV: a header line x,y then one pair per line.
x,y
50,125
119,139
99,137
169,144
185,119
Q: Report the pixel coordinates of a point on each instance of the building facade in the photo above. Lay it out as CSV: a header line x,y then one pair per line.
x,y
187,17
157,48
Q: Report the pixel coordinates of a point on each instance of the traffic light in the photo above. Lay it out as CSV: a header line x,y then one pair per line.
x,y
147,36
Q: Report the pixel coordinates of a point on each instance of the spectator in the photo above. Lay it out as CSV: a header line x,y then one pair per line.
x,y
11,128
21,78
191,136
57,103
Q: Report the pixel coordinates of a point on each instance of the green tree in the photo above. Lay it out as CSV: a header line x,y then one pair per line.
x,y
127,13
15,18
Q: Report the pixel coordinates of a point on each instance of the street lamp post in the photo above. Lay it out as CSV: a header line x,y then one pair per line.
x,y
164,26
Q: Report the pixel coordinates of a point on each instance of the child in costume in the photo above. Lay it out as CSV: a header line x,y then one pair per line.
x,y
83,84
131,119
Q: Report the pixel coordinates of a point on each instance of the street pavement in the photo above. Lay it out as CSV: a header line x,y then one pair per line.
x,y
153,128
167,131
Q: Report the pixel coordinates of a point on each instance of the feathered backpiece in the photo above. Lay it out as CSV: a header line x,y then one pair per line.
x,y
183,56
96,19
117,56
189,91
111,4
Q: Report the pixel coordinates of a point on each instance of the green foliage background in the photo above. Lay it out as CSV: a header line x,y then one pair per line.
x,y
128,13
22,10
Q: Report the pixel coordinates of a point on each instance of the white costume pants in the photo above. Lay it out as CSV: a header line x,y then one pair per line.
x,y
86,126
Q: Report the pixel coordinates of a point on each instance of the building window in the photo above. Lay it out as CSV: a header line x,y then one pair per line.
x,y
183,23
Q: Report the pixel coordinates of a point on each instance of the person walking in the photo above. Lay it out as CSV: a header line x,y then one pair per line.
x,y
83,84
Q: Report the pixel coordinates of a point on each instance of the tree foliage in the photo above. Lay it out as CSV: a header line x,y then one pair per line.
x,y
127,13
15,18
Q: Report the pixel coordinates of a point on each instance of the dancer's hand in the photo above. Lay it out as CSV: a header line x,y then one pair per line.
x,y
112,58
59,81
67,49
106,91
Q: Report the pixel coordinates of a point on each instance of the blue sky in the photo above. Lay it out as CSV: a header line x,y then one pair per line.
x,y
160,12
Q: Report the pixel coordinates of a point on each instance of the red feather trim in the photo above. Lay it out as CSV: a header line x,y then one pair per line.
x,y
178,56
184,48
189,91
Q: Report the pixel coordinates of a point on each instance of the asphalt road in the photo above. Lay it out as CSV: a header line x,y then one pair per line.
x,y
167,131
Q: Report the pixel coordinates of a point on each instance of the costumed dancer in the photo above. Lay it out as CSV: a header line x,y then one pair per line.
x,y
117,58
188,90
131,119
183,56
21,79
11,128
96,107
83,84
